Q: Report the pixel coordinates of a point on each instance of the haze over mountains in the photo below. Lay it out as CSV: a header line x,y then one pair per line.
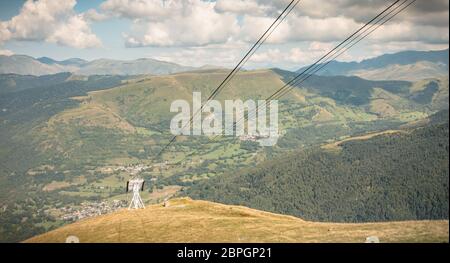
x,y
26,65
405,65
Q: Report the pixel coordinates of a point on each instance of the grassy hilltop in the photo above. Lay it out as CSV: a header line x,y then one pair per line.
x,y
186,220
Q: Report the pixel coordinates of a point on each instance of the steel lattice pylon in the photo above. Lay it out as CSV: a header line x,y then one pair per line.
x,y
136,185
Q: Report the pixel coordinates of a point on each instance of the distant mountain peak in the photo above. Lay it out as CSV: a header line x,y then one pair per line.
x,y
26,65
409,65
46,60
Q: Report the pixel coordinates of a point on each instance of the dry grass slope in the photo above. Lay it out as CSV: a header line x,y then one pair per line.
x,y
186,220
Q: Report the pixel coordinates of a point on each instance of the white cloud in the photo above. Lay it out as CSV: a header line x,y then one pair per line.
x,y
94,15
244,7
6,52
200,56
222,55
75,33
51,21
292,57
254,26
143,9
374,49
335,19
429,12
298,28
320,46
189,23
407,32
4,32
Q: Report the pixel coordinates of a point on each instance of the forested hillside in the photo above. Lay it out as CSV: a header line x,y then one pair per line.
x,y
400,176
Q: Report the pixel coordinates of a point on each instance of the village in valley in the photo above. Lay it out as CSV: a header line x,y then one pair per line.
x,y
90,209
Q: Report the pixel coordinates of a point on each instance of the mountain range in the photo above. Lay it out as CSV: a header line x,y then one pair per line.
x,y
405,65
26,65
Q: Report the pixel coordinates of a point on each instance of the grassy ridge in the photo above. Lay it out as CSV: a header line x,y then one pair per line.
x,y
185,220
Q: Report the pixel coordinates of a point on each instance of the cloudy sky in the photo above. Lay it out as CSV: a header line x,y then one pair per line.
x,y
196,32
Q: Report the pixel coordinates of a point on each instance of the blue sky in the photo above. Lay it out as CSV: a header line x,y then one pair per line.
x,y
195,32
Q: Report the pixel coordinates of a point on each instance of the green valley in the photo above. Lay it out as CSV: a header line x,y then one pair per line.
x,y
79,139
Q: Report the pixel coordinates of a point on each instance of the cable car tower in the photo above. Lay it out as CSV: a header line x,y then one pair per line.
x,y
136,185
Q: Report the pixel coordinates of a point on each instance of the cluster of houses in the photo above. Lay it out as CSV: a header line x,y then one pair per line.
x,y
90,209
134,169
248,137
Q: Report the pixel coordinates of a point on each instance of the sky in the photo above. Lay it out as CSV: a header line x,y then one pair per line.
x,y
201,32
